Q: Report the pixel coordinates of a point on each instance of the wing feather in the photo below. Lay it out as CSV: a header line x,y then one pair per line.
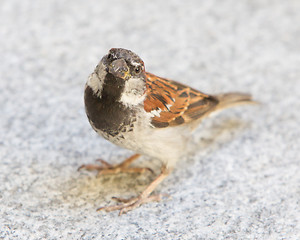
x,y
175,103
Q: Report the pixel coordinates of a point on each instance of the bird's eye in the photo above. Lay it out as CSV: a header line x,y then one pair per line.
x,y
138,69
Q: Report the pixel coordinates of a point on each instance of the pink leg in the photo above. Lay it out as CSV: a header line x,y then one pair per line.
x,y
107,168
145,197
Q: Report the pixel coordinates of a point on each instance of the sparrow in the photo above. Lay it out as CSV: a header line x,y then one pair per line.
x,y
147,114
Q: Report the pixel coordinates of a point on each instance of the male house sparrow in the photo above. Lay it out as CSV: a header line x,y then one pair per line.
x,y
145,113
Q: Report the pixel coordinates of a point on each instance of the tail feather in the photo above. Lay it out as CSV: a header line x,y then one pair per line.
x,y
232,99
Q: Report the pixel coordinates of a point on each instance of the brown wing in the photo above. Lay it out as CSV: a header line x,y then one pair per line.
x,y
173,103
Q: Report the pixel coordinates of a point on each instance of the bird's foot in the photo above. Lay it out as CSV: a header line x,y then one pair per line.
x,y
105,168
127,205
145,197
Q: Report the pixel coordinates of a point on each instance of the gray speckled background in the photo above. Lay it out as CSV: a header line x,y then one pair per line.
x,y
242,183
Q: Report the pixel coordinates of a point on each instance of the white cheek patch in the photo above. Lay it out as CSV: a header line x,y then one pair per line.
x,y
134,92
95,82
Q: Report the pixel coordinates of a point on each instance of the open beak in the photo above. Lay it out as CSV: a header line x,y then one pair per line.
x,y
119,69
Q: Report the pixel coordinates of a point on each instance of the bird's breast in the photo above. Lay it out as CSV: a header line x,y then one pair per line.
x,y
107,114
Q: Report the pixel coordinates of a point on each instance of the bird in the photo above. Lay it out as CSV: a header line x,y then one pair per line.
x,y
150,115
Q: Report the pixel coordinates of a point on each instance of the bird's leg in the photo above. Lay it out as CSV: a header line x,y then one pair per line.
x,y
145,197
107,168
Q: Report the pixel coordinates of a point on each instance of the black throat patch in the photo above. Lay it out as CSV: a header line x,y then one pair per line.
x,y
107,113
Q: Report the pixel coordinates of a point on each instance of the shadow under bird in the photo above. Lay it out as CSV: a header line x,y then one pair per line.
x,y
147,114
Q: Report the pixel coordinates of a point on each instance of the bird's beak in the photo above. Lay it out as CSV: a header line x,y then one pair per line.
x,y
126,75
119,69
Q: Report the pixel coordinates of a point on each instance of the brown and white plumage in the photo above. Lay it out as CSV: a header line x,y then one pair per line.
x,y
179,104
145,113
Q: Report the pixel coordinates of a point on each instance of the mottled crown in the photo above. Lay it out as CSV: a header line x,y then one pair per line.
x,y
128,55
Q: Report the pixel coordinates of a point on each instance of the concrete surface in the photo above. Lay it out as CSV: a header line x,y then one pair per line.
x,y
242,183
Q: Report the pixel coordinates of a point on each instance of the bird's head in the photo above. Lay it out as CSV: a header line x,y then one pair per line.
x,y
120,73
